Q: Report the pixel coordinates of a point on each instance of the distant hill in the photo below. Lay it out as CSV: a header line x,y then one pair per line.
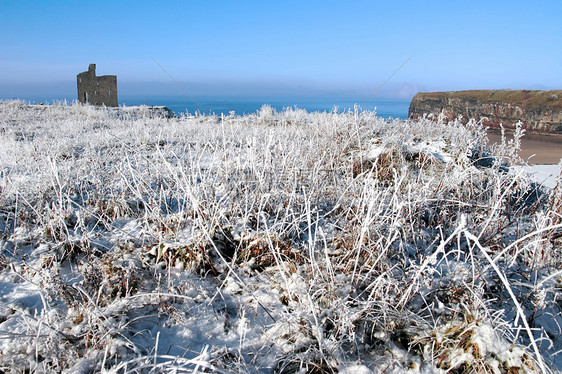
x,y
539,111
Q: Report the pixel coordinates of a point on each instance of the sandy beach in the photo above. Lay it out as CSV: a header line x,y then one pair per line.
x,y
535,149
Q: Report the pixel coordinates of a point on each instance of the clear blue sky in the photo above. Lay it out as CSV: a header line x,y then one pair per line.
x,y
308,46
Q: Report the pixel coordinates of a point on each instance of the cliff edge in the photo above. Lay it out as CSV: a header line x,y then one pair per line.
x,y
539,111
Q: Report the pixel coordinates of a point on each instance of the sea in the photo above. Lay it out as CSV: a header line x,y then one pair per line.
x,y
240,105
388,108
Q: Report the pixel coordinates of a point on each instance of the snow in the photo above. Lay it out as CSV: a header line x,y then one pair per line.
x,y
545,175
271,242
356,369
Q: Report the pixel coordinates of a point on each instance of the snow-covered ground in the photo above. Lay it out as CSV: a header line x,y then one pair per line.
x,y
273,242
544,174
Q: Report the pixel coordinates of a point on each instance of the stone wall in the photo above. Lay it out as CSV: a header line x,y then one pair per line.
x,y
94,90
539,111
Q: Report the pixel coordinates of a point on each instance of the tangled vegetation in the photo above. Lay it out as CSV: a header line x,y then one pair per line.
x,y
274,242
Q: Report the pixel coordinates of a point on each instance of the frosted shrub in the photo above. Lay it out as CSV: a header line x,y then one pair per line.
x,y
266,114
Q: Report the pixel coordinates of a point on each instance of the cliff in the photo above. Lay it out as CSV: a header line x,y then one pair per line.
x,y
539,111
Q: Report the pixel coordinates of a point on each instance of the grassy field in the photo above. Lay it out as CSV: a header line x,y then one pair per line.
x,y
525,99
273,242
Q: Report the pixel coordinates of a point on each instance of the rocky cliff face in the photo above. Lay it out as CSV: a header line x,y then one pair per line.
x,y
539,111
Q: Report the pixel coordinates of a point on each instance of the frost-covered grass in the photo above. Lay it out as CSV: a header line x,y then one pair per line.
x,y
274,242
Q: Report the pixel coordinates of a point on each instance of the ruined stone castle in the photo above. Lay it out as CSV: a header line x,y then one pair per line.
x,y
97,90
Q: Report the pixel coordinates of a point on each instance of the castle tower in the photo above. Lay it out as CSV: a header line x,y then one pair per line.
x,y
97,90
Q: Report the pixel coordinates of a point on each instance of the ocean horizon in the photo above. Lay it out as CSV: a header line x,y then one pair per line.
x,y
240,105
388,108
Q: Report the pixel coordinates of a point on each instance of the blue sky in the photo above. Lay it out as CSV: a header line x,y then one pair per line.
x,y
221,47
